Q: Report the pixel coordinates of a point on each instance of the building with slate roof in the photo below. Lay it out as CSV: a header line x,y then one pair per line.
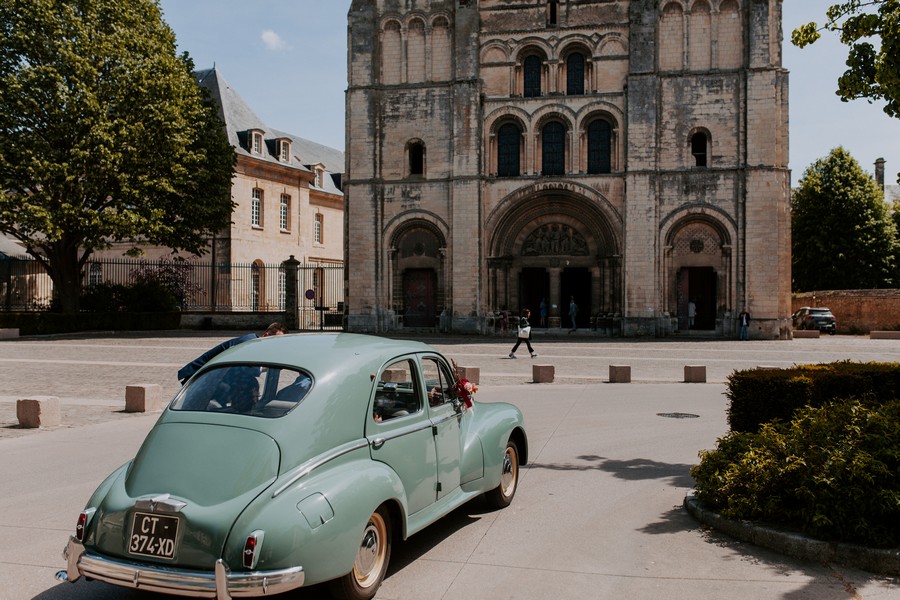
x,y
288,197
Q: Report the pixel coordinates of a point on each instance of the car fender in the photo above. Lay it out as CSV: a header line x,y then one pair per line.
x,y
495,425
317,523
99,494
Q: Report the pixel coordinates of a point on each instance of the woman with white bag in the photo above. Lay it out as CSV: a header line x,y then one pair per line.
x,y
524,334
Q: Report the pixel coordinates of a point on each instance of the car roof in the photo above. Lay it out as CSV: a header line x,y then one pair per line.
x,y
321,354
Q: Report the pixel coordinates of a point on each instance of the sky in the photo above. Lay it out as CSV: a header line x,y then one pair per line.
x,y
288,60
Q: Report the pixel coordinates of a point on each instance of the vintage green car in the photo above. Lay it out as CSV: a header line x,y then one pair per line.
x,y
293,460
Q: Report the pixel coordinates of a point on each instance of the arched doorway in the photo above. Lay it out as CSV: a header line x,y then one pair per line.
x,y
553,244
699,267
417,252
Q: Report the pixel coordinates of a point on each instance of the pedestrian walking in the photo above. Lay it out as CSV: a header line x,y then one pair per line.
x,y
543,309
524,334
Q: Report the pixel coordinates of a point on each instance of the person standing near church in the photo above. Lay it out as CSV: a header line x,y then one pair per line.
x,y
573,313
692,313
744,324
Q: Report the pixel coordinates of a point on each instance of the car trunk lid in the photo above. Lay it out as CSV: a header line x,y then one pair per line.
x,y
185,489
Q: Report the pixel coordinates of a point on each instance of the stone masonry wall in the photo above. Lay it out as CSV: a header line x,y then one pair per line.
x,y
856,310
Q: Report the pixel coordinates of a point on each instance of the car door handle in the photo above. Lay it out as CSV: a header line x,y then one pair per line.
x,y
378,443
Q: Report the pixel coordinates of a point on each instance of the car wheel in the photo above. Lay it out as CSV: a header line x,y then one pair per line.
x,y
502,495
372,558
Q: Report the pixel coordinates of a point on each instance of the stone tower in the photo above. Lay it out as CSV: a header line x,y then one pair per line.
x,y
631,155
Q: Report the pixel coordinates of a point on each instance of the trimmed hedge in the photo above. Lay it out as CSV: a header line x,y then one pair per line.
x,y
758,396
830,472
42,323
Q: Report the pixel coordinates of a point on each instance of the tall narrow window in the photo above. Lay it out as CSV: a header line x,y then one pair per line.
x,y
255,285
417,158
256,207
552,12
95,274
257,142
700,149
553,149
284,213
284,151
531,70
575,74
599,139
319,286
317,228
508,138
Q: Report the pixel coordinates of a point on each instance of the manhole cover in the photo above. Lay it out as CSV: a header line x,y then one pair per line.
x,y
678,415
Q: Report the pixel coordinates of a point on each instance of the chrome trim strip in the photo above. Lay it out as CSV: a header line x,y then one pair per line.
x,y
442,419
317,461
220,583
409,429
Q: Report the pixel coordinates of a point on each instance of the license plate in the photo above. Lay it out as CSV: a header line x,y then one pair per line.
x,y
153,535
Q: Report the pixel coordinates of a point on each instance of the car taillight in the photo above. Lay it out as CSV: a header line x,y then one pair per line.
x,y
251,549
81,525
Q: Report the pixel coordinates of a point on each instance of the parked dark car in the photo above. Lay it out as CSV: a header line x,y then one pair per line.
x,y
819,318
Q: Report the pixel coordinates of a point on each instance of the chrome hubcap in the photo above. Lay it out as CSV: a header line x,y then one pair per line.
x,y
372,552
508,472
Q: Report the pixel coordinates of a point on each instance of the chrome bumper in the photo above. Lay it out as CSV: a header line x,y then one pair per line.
x,y
220,584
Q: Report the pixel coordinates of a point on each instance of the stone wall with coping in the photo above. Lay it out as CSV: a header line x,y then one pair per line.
x,y
856,310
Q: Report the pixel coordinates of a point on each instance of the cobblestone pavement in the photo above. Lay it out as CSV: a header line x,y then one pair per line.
x,y
89,372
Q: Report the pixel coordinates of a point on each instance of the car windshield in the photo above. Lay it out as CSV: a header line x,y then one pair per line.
x,y
254,390
821,312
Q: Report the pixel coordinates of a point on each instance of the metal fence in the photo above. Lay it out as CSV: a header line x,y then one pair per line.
x,y
198,286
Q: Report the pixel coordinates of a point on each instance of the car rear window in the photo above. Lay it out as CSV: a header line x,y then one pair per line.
x,y
254,390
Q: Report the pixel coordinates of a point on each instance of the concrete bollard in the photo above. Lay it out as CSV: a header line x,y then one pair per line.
x,y
884,335
619,374
695,374
394,375
40,411
542,373
143,397
807,333
473,374
9,333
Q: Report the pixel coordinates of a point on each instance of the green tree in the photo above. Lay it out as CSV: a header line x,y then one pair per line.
x,y
872,73
842,231
105,135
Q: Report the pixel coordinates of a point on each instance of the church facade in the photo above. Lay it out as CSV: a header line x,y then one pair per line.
x,y
628,154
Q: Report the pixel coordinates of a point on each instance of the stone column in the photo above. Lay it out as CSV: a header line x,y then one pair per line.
x,y
554,299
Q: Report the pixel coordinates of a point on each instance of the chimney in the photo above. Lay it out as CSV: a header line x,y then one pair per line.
x,y
879,172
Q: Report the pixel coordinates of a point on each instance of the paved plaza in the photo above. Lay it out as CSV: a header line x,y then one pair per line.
x,y
599,509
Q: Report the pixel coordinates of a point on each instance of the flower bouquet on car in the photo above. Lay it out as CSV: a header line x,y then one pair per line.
x,y
464,389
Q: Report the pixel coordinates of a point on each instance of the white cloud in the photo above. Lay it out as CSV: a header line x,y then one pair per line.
x,y
272,40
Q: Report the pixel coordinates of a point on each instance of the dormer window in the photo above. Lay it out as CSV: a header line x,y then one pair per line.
x,y
320,176
284,150
257,143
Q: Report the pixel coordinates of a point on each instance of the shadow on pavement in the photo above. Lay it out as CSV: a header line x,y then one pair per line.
x,y
635,469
